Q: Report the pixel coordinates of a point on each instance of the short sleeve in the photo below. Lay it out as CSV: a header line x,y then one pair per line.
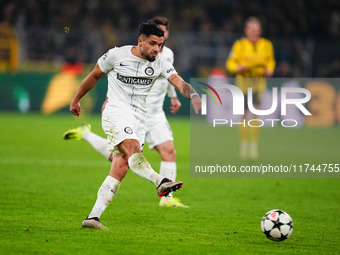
x,y
167,69
171,91
170,57
106,62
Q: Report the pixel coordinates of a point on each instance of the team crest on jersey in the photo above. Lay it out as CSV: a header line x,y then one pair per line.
x,y
128,130
149,71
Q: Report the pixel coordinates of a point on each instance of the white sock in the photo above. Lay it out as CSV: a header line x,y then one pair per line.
x,y
168,170
140,166
105,195
98,143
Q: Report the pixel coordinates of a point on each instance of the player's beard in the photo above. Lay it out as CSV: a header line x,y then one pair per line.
x,y
148,57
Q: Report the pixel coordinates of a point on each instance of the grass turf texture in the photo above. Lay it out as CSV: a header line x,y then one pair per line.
x,y
48,186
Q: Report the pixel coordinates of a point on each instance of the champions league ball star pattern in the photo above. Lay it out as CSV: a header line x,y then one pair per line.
x,y
277,225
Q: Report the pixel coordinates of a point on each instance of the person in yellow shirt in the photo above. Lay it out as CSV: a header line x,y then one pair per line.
x,y
252,59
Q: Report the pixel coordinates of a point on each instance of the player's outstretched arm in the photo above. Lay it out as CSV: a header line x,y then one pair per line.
x,y
186,90
86,85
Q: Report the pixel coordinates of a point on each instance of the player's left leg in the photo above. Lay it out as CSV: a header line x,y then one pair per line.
x,y
243,134
255,130
254,140
249,147
168,169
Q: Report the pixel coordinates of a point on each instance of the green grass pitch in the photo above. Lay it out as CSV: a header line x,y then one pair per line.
x,y
48,186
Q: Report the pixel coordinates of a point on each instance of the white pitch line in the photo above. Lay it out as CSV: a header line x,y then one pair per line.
x,y
54,162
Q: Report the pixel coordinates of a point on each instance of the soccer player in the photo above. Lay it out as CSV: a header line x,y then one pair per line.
x,y
158,132
252,59
132,70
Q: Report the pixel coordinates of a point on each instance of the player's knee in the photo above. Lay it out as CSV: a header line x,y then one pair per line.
x,y
169,155
130,147
173,154
133,148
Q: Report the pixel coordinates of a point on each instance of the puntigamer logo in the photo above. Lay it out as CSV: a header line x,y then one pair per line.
x,y
281,99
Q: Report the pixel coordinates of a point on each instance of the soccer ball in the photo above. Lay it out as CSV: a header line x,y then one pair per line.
x,y
277,225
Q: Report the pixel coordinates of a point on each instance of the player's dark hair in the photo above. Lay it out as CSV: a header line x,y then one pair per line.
x,y
150,28
160,21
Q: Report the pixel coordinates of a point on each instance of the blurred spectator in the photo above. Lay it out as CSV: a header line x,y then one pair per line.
x,y
334,69
284,17
283,70
97,25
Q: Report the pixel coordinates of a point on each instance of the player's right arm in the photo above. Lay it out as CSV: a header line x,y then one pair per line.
x,y
233,64
86,85
186,90
104,65
169,72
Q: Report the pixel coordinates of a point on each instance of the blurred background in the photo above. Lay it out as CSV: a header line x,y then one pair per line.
x,y
47,47
47,185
